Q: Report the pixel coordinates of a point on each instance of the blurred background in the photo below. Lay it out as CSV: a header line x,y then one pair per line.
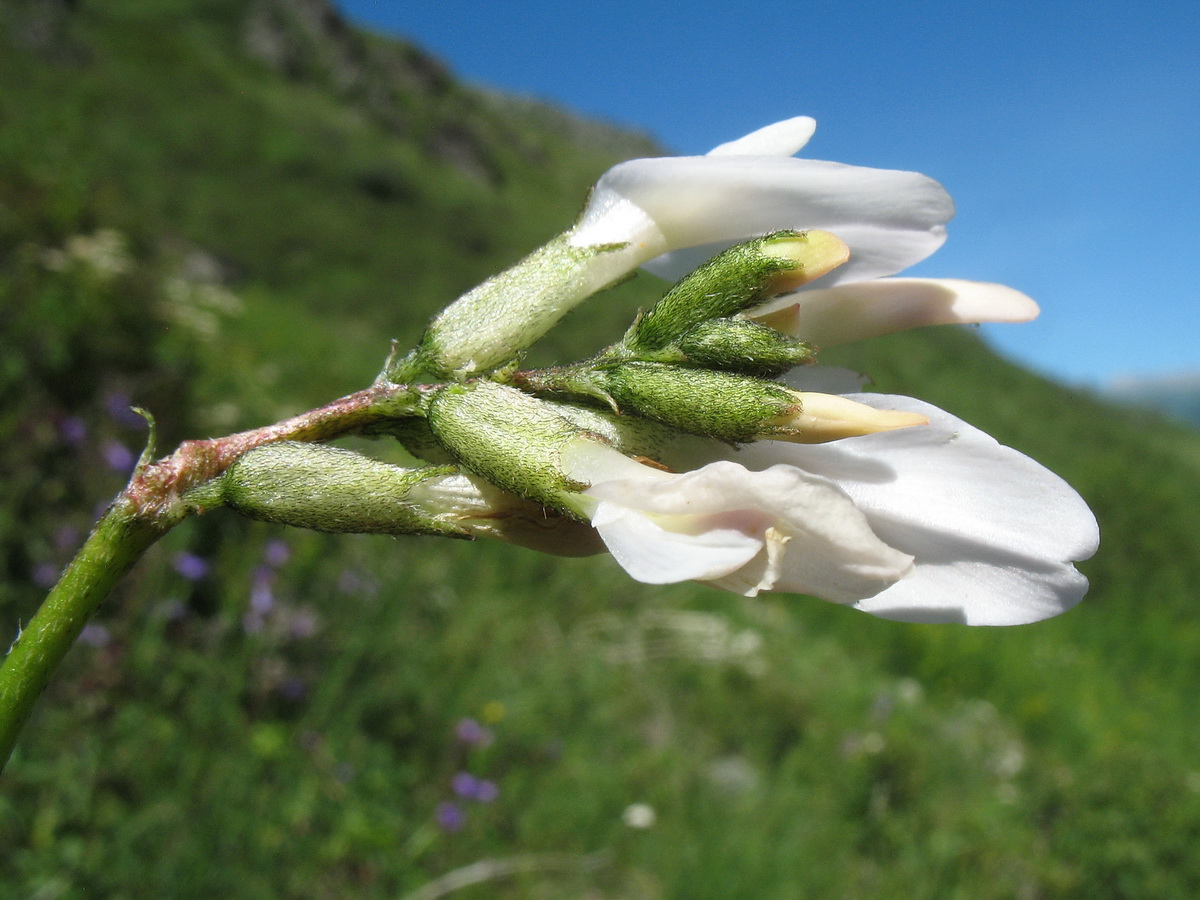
x,y
222,210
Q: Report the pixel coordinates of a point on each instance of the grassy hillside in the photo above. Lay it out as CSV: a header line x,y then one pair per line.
x,y
223,210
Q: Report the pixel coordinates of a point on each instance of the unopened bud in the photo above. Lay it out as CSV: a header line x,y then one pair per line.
x,y
812,254
721,405
738,408
820,418
739,345
327,489
740,278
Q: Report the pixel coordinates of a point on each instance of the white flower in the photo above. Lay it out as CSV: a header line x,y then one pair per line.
x,y
993,534
639,815
780,528
938,523
719,523
676,212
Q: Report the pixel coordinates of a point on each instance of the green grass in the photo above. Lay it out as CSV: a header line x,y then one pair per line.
x,y
200,748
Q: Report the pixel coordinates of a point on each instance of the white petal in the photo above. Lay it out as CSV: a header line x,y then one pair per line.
x,y
591,462
973,584
845,313
761,573
890,219
993,532
612,218
654,554
784,138
829,549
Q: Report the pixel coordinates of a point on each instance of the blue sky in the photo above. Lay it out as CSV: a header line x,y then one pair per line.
x,y
1068,132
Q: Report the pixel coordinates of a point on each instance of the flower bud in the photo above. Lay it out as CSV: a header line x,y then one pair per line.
x,y
742,277
739,345
700,401
820,418
739,409
327,489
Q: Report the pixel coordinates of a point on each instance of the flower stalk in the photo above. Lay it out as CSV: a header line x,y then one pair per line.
x,y
119,539
151,505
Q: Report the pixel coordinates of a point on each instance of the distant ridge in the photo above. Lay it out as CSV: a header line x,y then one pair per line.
x,y
1176,394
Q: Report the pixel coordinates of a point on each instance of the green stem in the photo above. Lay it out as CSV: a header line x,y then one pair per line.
x,y
151,504
114,545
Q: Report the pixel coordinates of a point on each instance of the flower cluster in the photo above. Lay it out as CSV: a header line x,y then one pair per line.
x,y
706,444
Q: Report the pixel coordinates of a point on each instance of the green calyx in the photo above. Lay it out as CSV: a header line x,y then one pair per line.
x,y
740,278
325,489
738,345
723,405
508,437
492,324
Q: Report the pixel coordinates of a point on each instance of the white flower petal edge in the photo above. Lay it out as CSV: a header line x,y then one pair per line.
x,y
786,138
780,528
852,312
993,533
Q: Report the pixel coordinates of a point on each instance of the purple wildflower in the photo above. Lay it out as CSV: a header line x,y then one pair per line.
x,y
486,791
73,430
120,410
303,624
450,817
118,457
276,553
95,635
471,733
190,566
469,787
293,689
262,597
464,783
45,575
